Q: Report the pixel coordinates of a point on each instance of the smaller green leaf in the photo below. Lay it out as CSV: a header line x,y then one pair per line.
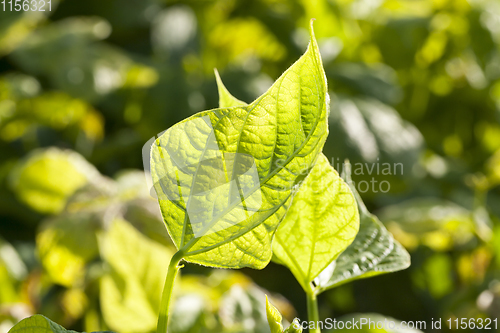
x,y
373,252
321,223
295,327
39,324
273,317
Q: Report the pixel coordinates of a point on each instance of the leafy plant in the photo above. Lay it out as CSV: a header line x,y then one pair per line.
x,y
282,132
325,208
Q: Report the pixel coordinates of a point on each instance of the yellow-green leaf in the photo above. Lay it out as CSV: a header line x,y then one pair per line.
x,y
273,317
321,223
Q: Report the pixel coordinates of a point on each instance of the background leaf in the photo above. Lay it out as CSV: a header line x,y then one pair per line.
x,y
130,293
63,173
66,244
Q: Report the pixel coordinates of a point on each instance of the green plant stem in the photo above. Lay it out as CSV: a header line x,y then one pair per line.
x,y
173,269
312,311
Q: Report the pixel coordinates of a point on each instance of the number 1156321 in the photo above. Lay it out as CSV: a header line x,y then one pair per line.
x,y
26,5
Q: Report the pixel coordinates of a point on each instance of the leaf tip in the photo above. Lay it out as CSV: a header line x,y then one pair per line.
x,y
311,28
273,317
216,72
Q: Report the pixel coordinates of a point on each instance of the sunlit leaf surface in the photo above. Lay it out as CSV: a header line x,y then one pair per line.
x,y
224,178
321,222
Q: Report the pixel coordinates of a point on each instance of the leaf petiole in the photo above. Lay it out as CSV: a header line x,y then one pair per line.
x,y
312,311
173,269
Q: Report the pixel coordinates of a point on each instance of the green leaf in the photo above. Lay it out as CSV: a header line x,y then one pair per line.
x,y
59,244
63,173
436,223
39,324
275,138
273,318
130,293
321,222
373,252
16,26
422,215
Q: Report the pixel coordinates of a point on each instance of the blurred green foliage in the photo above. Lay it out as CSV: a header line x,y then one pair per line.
x,y
84,86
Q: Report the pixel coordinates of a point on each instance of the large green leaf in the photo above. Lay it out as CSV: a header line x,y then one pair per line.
x,y
224,177
130,293
373,252
39,324
321,223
